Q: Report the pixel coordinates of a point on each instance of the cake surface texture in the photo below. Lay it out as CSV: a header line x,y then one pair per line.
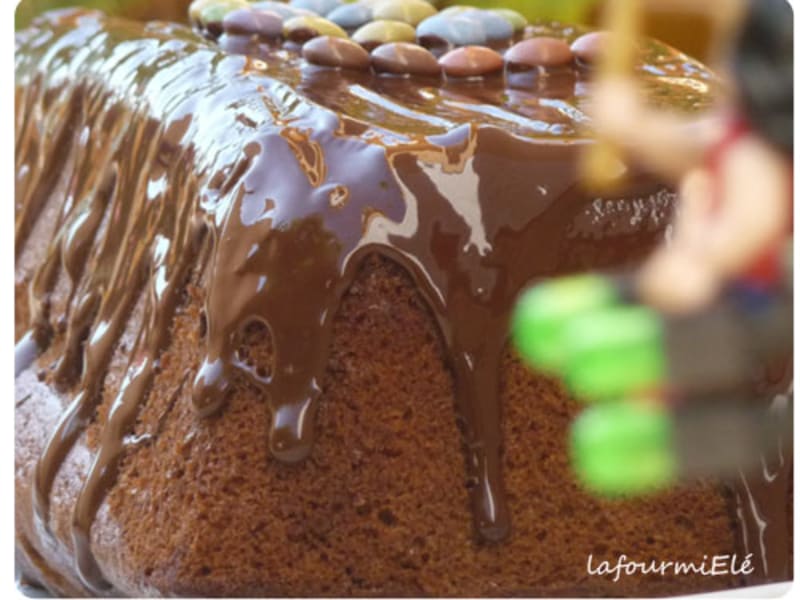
x,y
262,314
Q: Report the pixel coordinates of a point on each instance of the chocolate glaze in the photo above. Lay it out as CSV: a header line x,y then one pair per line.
x,y
291,175
761,498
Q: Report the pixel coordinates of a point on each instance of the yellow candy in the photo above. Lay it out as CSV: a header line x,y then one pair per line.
x,y
408,11
317,25
382,32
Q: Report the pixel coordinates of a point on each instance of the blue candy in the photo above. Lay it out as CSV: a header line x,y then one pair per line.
x,y
284,11
350,16
495,26
453,28
320,7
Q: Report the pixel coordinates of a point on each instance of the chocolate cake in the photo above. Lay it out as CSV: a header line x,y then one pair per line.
x,y
263,283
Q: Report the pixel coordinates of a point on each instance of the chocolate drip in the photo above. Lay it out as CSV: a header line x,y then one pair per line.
x,y
39,572
119,270
763,510
170,273
293,175
41,163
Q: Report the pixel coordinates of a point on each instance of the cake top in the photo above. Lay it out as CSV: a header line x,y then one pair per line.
x,y
273,176
410,67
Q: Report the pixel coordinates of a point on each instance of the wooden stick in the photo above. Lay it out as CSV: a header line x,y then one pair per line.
x,y
602,160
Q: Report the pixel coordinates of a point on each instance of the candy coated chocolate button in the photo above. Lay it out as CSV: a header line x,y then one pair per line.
x,y
335,52
539,52
320,7
471,61
214,12
301,29
351,16
518,22
285,11
453,28
381,32
402,58
196,7
246,21
589,47
495,26
454,10
407,11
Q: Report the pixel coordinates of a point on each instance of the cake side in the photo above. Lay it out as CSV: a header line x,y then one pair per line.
x,y
205,163
380,506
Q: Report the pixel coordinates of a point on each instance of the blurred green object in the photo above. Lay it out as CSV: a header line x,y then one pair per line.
x,y
614,352
624,449
27,9
570,11
173,10
545,311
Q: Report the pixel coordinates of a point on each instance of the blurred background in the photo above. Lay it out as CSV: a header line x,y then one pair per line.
x,y
171,10
689,32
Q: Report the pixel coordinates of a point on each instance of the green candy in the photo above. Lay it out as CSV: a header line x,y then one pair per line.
x,y
383,32
215,10
197,6
543,312
613,352
624,449
518,22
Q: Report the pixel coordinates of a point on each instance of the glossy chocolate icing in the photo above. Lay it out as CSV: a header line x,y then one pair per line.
x,y
289,175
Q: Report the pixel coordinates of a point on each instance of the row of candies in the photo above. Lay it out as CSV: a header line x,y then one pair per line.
x,y
404,37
